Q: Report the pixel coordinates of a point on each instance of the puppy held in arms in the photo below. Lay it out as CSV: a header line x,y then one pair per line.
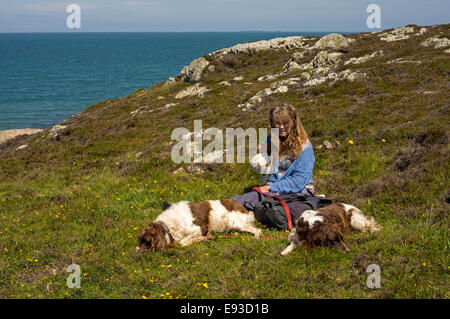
x,y
328,225
186,223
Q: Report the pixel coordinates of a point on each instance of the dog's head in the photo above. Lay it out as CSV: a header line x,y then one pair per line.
x,y
153,237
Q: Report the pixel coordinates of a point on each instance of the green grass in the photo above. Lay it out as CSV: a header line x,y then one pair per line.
x,y
84,197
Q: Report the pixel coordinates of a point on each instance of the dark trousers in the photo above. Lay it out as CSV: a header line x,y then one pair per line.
x,y
250,199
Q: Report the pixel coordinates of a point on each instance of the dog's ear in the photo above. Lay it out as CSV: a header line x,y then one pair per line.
x,y
166,205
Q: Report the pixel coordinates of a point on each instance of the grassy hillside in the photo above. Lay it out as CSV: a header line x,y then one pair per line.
x,y
82,193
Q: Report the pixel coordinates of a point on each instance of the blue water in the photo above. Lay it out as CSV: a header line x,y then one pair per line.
x,y
47,77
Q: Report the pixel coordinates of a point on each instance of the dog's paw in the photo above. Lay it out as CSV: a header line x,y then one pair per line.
x,y
288,249
258,234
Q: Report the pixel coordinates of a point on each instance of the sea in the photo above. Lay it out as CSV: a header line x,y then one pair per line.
x,y
47,77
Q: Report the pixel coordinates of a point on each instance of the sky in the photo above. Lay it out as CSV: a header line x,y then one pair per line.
x,y
217,15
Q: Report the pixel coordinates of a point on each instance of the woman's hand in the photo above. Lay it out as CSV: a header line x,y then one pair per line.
x,y
264,188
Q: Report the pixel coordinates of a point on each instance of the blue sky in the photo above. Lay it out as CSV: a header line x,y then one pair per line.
x,y
217,15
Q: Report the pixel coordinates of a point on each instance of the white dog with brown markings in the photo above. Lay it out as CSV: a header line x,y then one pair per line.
x,y
185,223
328,225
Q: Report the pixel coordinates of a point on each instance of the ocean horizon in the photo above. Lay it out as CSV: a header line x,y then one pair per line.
x,y
47,77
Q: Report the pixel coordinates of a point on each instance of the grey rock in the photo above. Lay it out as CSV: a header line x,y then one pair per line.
x,y
396,34
192,91
21,147
192,73
333,41
437,43
364,58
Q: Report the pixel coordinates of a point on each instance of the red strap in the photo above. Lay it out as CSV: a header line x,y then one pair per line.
x,y
282,202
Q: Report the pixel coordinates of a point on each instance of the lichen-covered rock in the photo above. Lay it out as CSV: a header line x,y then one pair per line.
x,y
21,147
322,62
344,75
192,91
282,89
53,133
139,110
150,109
288,82
171,80
396,34
333,41
364,58
290,66
305,76
293,63
324,59
422,31
297,56
278,87
192,73
315,81
268,77
350,75
254,47
437,43
401,60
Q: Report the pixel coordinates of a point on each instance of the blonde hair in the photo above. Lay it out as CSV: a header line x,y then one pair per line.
x,y
286,113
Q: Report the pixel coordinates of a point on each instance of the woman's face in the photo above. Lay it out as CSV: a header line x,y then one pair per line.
x,y
284,127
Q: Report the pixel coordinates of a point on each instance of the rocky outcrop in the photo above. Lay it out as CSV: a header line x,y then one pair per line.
x,y
401,60
170,81
192,73
53,133
319,63
364,58
333,41
422,31
324,59
396,34
254,47
348,75
277,87
194,90
21,147
436,43
268,77
149,109
293,63
316,72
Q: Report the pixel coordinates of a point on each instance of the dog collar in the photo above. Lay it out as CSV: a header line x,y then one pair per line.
x,y
168,232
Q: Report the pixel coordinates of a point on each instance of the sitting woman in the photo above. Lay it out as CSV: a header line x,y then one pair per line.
x,y
293,172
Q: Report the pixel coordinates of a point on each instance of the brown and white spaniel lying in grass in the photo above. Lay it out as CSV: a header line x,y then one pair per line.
x,y
185,223
328,225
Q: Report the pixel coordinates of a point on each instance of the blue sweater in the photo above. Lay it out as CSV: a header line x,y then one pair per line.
x,y
297,176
